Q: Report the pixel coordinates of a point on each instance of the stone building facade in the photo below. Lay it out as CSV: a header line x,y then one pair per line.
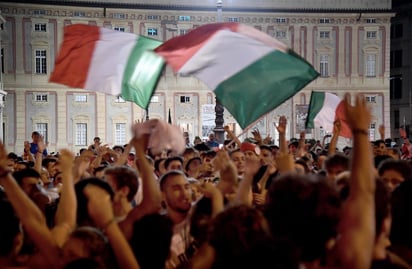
x,y
348,42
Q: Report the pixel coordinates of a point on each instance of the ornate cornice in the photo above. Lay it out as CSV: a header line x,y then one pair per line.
x,y
207,7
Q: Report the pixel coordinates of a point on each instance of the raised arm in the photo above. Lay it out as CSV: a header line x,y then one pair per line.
x,y
302,144
244,192
151,193
382,131
29,214
210,191
101,210
257,136
123,157
151,201
39,154
281,127
357,227
232,136
337,127
66,210
227,170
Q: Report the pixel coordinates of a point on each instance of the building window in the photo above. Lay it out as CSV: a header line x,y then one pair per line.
x,y
184,18
154,99
119,16
152,31
396,58
370,20
281,20
324,65
324,20
371,65
40,27
42,129
41,97
396,30
119,99
80,98
371,99
324,34
396,119
120,134
371,35
120,29
372,128
396,87
183,31
184,99
153,17
233,19
41,62
81,134
39,12
79,14
280,34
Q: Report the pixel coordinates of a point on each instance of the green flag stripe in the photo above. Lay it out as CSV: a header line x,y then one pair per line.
x,y
142,72
317,99
264,85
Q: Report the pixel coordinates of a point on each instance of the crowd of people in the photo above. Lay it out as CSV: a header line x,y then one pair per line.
x,y
249,204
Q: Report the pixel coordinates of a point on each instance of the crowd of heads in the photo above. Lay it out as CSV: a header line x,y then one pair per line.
x,y
240,204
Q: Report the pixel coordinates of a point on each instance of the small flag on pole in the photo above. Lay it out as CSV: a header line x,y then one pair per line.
x,y
324,109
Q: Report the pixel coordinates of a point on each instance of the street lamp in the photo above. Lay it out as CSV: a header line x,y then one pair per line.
x,y
219,120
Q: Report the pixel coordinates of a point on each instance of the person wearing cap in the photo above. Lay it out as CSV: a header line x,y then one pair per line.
x,y
250,150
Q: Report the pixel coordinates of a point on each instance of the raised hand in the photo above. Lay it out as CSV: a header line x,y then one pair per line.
x,y
267,140
257,136
281,127
4,169
208,189
359,115
66,161
99,205
382,131
221,161
41,145
337,127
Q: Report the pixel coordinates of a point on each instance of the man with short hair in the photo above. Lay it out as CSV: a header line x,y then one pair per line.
x,y
174,163
212,143
124,182
95,146
177,196
334,165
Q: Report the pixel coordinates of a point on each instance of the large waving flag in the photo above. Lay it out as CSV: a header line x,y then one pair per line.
x,y
250,72
113,62
324,109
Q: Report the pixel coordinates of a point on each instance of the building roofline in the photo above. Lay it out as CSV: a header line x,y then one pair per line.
x,y
194,8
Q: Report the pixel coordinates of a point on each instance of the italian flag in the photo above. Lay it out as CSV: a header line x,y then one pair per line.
x,y
117,63
250,72
324,109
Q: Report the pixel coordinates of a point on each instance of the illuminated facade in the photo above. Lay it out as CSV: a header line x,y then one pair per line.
x,y
348,42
